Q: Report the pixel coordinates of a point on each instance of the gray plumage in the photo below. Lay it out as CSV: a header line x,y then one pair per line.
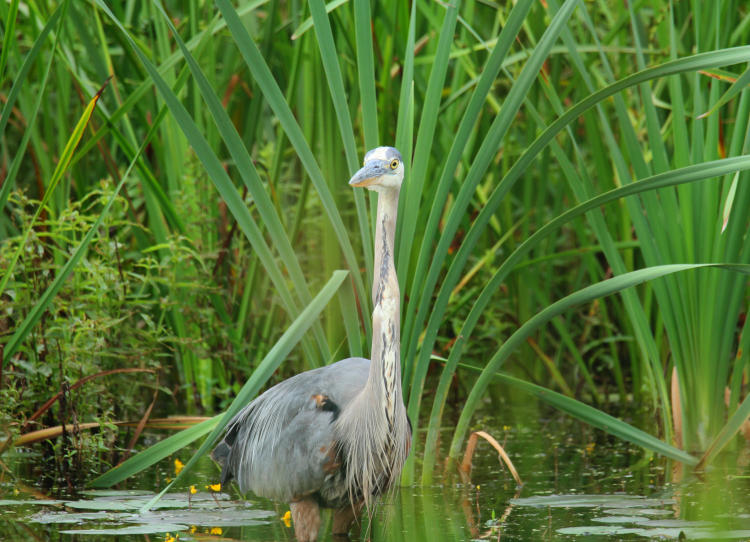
x,y
278,446
336,436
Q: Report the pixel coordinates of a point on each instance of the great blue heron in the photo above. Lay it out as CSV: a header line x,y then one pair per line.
x,y
337,436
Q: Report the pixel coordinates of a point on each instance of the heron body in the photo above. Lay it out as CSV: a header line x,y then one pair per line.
x,y
337,436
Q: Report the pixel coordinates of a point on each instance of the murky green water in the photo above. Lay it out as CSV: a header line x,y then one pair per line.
x,y
579,484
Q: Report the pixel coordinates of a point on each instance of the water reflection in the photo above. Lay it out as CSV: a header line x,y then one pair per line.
x,y
585,483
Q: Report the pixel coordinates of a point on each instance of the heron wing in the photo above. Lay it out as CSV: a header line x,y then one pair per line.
x,y
281,445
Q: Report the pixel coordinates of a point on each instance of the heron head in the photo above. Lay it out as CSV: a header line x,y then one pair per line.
x,y
383,168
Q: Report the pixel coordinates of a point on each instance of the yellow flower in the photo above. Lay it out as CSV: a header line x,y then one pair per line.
x,y
178,465
170,538
590,447
214,487
215,530
193,491
287,518
193,529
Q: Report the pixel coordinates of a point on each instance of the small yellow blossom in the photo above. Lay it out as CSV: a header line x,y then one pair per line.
x,y
590,447
287,518
193,529
193,490
214,487
178,466
215,530
169,479
170,538
15,491
506,427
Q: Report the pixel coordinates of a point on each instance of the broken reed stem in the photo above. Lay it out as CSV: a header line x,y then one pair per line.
x,y
465,467
177,423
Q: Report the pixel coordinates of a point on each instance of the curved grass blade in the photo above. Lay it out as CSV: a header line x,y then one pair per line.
x,y
736,87
411,197
427,254
584,295
308,23
597,418
60,169
335,81
270,89
481,162
250,176
41,305
712,170
15,90
10,27
726,434
366,72
694,62
216,172
154,454
265,369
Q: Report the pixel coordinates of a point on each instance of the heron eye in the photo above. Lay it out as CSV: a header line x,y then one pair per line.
x,y
394,164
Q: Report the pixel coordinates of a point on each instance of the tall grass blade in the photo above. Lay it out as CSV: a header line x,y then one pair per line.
x,y
585,295
335,81
265,369
62,167
277,101
15,90
711,170
600,420
22,331
244,163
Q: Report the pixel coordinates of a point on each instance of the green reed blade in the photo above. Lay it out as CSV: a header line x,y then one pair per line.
x,y
489,73
685,175
479,166
60,170
276,100
599,419
335,82
22,331
585,295
265,369
216,173
244,164
411,193
18,82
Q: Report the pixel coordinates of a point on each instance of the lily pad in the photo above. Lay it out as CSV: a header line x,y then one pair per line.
x,y
151,528
591,501
619,519
638,512
101,504
48,517
213,518
35,502
602,530
116,492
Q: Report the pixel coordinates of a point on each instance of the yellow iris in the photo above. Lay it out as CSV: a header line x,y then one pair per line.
x,y
214,487
287,518
215,530
178,465
193,490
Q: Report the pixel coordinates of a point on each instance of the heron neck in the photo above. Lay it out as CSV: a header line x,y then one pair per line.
x,y
385,368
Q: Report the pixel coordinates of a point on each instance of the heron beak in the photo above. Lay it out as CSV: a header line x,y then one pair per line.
x,y
369,173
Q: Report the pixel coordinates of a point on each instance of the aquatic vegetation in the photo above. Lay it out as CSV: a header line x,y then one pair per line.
x,y
572,215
